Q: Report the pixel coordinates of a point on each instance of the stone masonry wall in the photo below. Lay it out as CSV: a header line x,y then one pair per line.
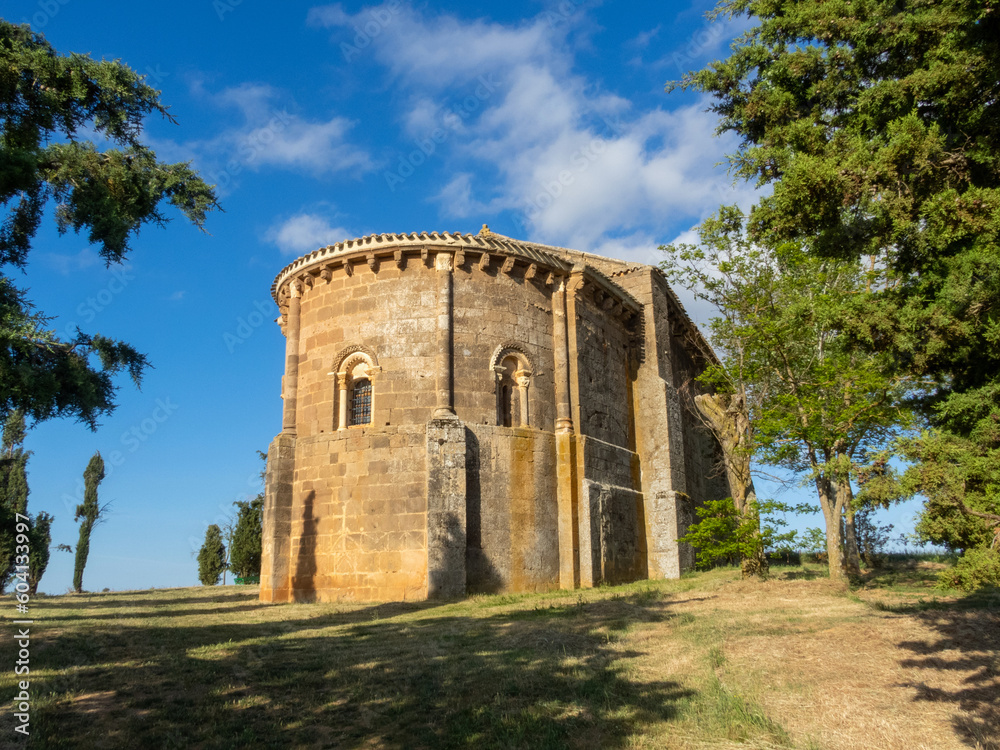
x,y
493,308
359,515
392,313
512,529
602,352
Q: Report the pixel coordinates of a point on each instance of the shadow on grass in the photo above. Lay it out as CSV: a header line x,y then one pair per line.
x,y
800,574
969,641
392,675
124,600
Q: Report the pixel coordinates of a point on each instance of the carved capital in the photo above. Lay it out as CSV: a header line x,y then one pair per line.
x,y
443,262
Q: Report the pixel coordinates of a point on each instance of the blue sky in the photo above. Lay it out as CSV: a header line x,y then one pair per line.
x,y
546,120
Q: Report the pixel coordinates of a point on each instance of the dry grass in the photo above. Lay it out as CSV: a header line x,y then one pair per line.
x,y
705,662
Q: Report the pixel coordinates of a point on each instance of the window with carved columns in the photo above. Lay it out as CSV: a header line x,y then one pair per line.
x,y
512,371
355,387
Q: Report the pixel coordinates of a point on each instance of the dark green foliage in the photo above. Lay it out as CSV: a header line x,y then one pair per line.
x,y
47,102
211,557
876,127
41,540
13,491
959,474
88,514
723,535
976,569
245,548
47,377
14,501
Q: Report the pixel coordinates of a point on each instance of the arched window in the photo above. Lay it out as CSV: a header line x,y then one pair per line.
x,y
508,408
361,402
355,373
513,377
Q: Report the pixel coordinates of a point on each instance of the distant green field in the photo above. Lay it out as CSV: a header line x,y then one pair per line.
x,y
706,661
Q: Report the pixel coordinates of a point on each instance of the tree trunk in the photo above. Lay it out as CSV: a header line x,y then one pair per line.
x,y
852,558
727,417
832,510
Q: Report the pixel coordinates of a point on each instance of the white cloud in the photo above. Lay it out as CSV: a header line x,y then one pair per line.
x,y
304,233
544,142
270,136
66,263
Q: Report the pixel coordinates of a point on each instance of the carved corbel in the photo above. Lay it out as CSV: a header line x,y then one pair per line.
x,y
484,261
508,264
397,256
372,262
532,272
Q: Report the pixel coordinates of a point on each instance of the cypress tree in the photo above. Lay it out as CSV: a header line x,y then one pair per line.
x,y
87,514
41,539
13,490
211,557
245,550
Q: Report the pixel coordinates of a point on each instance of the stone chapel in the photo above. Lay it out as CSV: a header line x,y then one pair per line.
x,y
474,413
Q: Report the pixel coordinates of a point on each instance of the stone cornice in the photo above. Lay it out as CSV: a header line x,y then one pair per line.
x,y
376,247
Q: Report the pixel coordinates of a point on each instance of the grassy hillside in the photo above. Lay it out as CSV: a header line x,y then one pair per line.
x,y
707,661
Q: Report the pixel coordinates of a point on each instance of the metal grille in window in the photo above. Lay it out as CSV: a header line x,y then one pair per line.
x,y
361,402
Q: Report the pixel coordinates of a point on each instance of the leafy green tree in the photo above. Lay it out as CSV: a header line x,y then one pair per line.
x,y
875,126
724,534
211,557
815,404
246,545
51,106
88,513
727,416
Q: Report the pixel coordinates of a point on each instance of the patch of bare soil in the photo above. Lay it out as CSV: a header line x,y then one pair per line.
x,y
848,676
